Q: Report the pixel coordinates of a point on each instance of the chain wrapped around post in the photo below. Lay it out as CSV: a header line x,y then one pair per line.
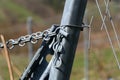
x,y
33,38
59,41
39,68
51,44
52,38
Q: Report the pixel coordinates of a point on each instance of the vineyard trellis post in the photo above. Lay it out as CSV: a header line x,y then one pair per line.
x,y
72,15
61,41
29,30
86,47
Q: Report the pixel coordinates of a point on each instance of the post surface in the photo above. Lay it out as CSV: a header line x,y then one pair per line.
x,y
86,52
86,34
72,15
29,30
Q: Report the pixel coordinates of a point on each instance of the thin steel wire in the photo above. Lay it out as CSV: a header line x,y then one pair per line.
x,y
111,20
108,35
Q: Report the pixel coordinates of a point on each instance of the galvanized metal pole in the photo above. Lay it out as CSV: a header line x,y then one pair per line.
x,y
72,15
30,46
86,52
86,47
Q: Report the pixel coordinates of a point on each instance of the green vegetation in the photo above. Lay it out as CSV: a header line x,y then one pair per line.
x,y
57,5
101,64
20,61
9,10
97,62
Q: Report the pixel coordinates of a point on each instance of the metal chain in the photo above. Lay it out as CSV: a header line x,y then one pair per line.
x,y
33,38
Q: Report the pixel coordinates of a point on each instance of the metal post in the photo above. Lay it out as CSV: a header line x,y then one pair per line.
x,y
86,47
30,46
86,51
72,15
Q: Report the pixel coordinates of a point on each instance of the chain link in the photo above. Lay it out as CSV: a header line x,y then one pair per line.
x,y
33,38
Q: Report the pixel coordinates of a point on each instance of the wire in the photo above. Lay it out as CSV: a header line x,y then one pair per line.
x,y
112,23
115,55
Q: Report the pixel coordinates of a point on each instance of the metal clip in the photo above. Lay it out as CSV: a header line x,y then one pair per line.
x,y
58,63
63,32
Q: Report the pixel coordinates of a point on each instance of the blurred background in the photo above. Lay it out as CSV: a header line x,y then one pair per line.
x,y
14,15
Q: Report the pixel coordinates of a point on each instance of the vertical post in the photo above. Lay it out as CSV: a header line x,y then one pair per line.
x,y
86,47
29,30
72,15
86,51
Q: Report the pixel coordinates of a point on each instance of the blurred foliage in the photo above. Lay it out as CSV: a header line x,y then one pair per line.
x,y
12,12
103,58
57,5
